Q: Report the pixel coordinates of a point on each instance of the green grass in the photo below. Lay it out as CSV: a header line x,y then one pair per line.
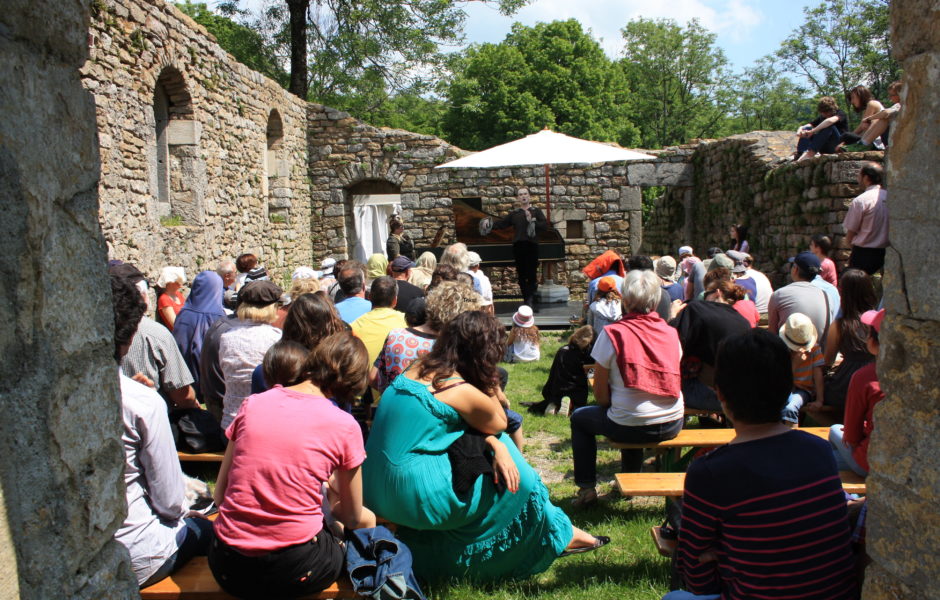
x,y
629,568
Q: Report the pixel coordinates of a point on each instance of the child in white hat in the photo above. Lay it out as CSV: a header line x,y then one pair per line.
x,y
806,359
523,342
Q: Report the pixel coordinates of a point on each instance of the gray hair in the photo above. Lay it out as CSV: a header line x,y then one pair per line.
x,y
457,256
641,291
225,266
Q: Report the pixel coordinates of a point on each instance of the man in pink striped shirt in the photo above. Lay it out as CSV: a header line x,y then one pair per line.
x,y
763,517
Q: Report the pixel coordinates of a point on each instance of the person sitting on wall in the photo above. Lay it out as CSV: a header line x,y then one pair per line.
x,y
763,516
881,120
864,104
822,134
160,534
527,221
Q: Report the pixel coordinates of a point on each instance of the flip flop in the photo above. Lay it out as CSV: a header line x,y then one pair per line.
x,y
599,541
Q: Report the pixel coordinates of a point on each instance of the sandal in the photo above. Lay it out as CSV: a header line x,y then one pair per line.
x,y
599,542
586,497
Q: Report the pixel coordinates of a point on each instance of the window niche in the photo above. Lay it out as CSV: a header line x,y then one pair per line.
x,y
177,171
275,171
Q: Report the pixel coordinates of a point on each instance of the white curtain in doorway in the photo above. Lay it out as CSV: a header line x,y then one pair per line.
x,y
370,216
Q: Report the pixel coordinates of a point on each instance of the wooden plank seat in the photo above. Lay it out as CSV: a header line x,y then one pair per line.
x,y
664,546
204,457
705,438
195,582
671,484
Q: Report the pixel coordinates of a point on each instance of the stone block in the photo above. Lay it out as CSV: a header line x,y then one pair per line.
x,y
180,132
631,198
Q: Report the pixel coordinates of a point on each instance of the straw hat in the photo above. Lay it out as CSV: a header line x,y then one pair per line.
x,y
798,333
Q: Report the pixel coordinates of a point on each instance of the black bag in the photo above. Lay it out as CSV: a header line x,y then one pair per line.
x,y
196,431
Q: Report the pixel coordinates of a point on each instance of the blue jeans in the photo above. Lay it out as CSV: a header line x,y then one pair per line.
x,y
590,421
696,394
843,454
684,595
791,412
199,534
822,142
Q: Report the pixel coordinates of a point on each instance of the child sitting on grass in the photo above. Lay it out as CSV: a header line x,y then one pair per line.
x,y
523,342
568,377
799,334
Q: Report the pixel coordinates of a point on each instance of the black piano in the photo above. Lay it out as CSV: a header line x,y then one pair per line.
x,y
495,249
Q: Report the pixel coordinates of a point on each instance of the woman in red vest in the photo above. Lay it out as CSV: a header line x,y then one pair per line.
x,y
637,385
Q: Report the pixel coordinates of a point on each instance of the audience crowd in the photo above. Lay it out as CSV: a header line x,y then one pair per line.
x,y
375,389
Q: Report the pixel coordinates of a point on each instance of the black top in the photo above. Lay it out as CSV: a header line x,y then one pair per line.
x,y
406,293
842,124
567,376
702,325
518,220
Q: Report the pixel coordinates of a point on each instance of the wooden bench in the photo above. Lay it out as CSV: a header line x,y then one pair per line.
x,y
664,546
672,484
214,457
705,438
195,582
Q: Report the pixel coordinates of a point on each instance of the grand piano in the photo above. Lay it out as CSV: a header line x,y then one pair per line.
x,y
495,249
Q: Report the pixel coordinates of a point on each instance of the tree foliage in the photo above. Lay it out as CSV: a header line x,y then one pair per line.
x,y
551,75
247,45
767,101
679,80
840,45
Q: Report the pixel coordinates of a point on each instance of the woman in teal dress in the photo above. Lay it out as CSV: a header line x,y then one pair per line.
x,y
504,526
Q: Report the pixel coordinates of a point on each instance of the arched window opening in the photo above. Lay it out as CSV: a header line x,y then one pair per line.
x,y
275,171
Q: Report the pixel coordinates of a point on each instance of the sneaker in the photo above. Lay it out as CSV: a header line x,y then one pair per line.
x,y
565,408
586,497
878,144
550,410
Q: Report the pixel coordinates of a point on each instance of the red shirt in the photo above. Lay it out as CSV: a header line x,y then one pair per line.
x,y
828,272
168,300
748,310
860,400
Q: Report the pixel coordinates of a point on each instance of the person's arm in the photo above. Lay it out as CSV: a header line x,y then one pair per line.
x,y
184,397
828,122
833,339
852,222
699,534
169,316
874,107
348,486
601,385
505,471
773,319
480,411
512,336
221,482
166,491
505,221
855,409
819,384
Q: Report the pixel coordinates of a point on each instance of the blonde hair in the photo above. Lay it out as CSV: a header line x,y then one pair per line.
x,y
303,286
582,337
257,314
448,300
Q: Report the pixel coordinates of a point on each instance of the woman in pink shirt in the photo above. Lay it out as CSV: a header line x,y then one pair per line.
x,y
291,450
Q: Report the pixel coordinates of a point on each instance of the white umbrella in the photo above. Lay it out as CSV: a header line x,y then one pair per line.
x,y
545,148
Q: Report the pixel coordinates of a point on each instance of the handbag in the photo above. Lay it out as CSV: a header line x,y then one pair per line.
x,y
196,431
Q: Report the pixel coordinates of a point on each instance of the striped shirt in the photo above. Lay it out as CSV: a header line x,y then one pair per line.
x,y
803,369
773,512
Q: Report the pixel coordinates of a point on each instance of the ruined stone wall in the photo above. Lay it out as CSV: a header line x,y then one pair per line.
x,y
61,473
201,158
747,179
605,199
904,483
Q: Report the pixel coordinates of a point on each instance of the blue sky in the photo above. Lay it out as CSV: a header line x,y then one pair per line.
x,y
746,29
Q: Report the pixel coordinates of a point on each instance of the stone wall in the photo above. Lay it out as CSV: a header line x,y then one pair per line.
x,y
748,179
605,199
904,483
201,158
61,484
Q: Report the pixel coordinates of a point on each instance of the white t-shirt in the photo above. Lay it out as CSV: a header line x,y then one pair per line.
x,y
241,349
764,289
481,283
524,350
629,406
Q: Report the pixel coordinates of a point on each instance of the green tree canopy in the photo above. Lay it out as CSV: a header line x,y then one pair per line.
x,y
551,75
244,43
767,101
679,79
840,45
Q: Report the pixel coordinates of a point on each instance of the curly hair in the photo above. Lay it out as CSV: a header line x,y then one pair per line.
x,y
729,290
827,105
441,274
472,344
448,300
310,318
339,366
457,256
129,309
582,338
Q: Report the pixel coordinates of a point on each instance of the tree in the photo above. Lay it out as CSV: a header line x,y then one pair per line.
x,y
679,79
767,101
551,75
245,44
342,49
840,45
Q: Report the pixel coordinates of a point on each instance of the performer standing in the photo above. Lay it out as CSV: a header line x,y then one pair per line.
x,y
527,220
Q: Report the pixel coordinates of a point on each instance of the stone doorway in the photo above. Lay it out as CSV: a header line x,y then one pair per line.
x,y
369,206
